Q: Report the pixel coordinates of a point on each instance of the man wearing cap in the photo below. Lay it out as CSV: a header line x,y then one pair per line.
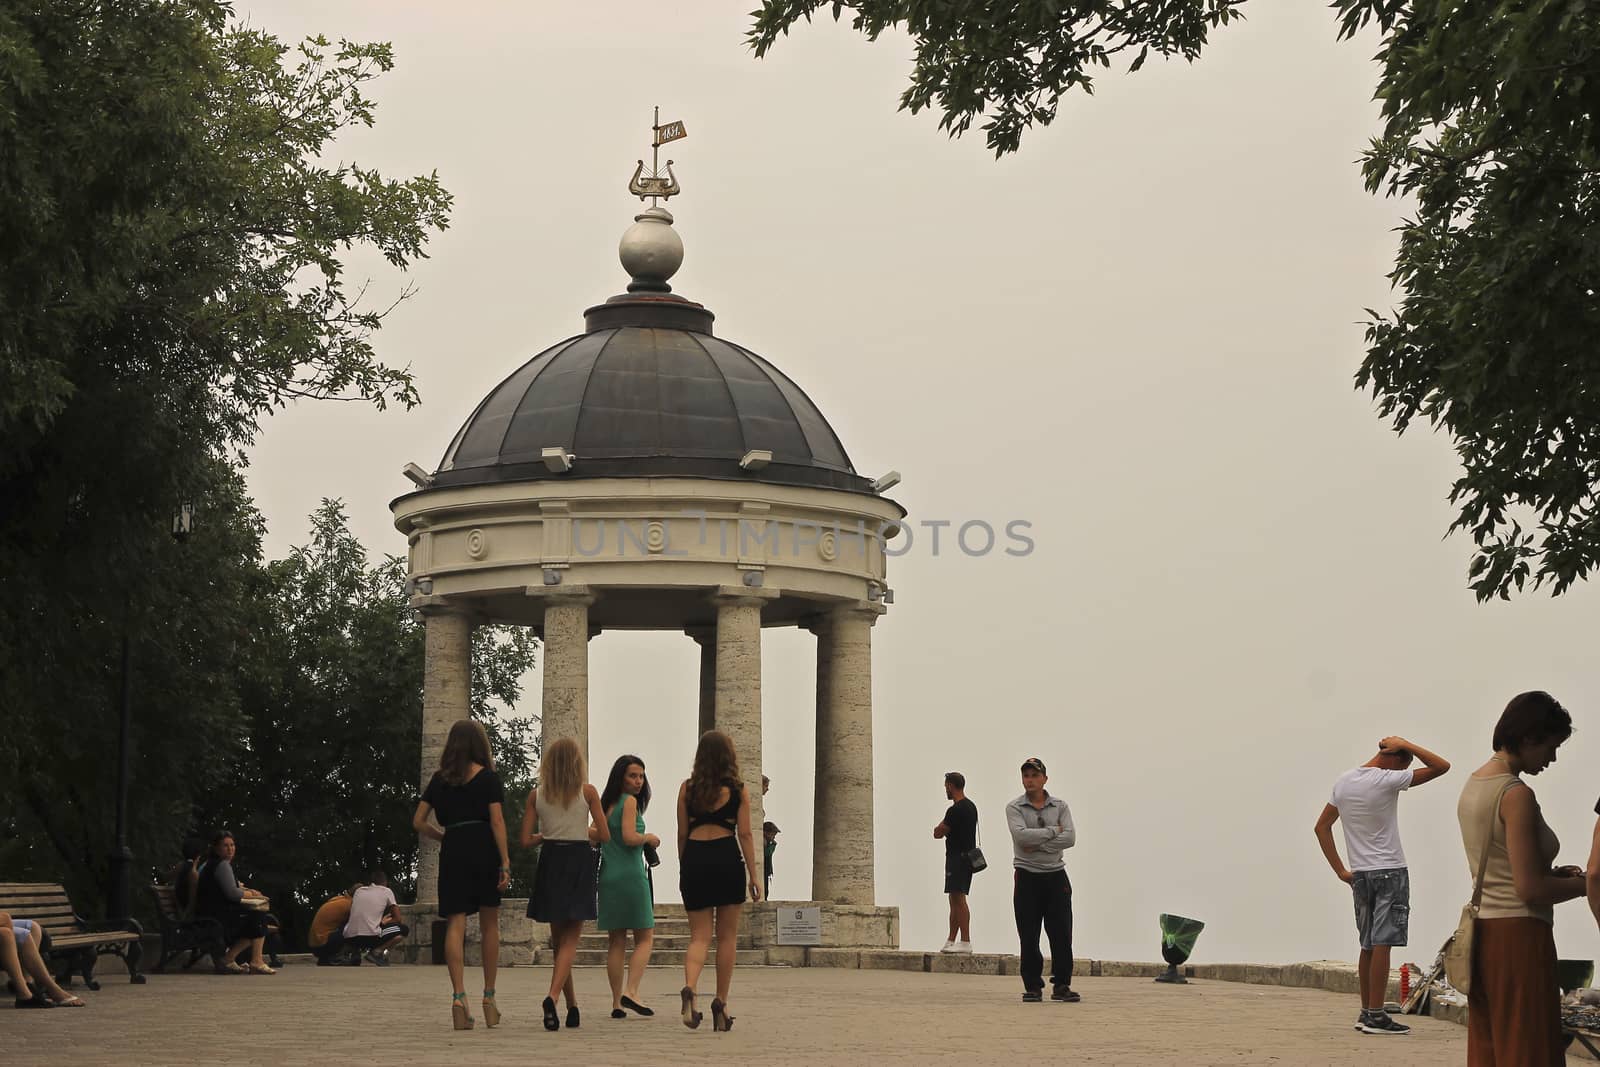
x,y
959,829
1041,829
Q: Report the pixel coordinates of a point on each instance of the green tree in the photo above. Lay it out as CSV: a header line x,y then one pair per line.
x,y
171,275
1489,131
1012,60
325,778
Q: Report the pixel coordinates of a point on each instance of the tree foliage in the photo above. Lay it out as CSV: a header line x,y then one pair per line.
x,y
1489,131
1012,60
172,235
325,778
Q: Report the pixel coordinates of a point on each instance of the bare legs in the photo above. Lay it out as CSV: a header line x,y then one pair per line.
x,y
10,960
257,946
33,960
727,948
455,951
960,918
1373,971
564,937
616,952
643,942
489,933
727,930
694,958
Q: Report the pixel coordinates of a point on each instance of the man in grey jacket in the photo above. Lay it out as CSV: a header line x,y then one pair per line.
x,y
1041,828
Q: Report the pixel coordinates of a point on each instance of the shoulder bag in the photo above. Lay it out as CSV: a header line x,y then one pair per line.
x,y
1458,950
974,855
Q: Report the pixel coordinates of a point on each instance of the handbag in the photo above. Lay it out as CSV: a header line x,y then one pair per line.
x,y
1458,950
974,856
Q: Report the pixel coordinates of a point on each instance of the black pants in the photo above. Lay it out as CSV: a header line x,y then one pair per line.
x,y
1045,898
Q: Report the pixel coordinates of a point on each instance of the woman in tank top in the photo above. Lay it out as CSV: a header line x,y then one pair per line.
x,y
1514,1008
716,862
566,883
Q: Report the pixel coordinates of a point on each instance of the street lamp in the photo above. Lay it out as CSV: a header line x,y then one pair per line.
x,y
119,897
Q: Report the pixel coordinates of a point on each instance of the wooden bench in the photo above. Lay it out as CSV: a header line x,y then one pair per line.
x,y
179,933
75,945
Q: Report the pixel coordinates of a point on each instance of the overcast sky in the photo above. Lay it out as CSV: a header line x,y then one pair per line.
x,y
1138,336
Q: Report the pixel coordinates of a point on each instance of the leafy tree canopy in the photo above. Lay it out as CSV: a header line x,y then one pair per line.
x,y
1489,132
1011,60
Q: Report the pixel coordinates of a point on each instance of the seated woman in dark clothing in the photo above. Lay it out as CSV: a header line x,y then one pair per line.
x,y
220,896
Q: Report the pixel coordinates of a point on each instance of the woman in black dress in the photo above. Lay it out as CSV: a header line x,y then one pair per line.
x,y
716,862
220,896
466,796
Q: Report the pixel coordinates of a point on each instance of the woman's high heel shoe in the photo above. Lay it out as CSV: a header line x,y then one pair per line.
x,y
691,1018
552,1021
458,1012
491,1010
721,1021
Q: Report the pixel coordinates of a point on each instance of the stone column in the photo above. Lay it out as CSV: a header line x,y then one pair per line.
x,y
446,697
842,849
564,707
706,638
738,685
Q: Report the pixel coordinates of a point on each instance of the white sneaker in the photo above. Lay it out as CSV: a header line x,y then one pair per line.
x,y
949,946
962,948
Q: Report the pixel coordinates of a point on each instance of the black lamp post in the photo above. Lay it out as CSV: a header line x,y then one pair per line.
x,y
119,897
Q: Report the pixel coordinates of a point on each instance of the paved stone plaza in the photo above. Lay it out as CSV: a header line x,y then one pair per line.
x,y
401,1014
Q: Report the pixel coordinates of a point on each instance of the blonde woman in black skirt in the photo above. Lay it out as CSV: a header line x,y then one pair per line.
x,y
716,864
566,884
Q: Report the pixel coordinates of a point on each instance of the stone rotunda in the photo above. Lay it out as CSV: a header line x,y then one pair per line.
x,y
647,474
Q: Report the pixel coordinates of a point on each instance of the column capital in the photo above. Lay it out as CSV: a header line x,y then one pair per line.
x,y
435,606
867,611
749,595
562,594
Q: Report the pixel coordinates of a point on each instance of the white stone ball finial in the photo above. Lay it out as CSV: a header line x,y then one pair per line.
x,y
651,251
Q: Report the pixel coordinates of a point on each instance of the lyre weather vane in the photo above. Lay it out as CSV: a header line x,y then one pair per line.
x,y
655,185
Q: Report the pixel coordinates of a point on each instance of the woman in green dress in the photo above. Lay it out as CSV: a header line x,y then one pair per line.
x,y
625,899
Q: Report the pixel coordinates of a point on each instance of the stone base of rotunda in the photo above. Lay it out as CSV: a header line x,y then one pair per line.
x,y
524,942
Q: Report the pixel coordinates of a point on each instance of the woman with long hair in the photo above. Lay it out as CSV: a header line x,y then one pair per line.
x,y
625,899
1514,1006
221,896
716,862
565,809
466,797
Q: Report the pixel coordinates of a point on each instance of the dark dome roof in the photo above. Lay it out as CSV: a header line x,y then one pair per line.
x,y
648,391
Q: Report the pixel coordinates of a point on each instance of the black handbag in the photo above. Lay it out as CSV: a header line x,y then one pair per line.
x,y
974,856
652,858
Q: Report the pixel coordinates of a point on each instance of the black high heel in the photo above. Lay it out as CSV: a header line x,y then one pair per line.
x,y
572,1017
552,1021
691,1018
721,1021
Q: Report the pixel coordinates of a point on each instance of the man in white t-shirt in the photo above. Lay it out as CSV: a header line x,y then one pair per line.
x,y
1366,799
374,922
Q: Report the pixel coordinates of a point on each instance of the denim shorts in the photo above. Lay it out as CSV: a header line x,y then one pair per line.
x,y
1383,906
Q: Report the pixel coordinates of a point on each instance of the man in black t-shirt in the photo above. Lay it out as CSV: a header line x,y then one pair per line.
x,y
960,833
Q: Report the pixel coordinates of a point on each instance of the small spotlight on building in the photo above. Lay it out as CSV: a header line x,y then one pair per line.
x,y
559,460
419,477
886,483
755,459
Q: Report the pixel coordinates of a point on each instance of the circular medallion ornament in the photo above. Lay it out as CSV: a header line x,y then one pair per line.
x,y
828,546
477,544
655,536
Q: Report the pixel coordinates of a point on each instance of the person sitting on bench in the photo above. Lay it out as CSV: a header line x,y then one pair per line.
x,y
374,922
21,954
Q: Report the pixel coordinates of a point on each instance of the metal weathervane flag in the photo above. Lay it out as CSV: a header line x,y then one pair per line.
x,y
669,131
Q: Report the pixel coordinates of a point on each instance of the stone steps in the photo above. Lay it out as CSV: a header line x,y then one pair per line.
x,y
587,957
